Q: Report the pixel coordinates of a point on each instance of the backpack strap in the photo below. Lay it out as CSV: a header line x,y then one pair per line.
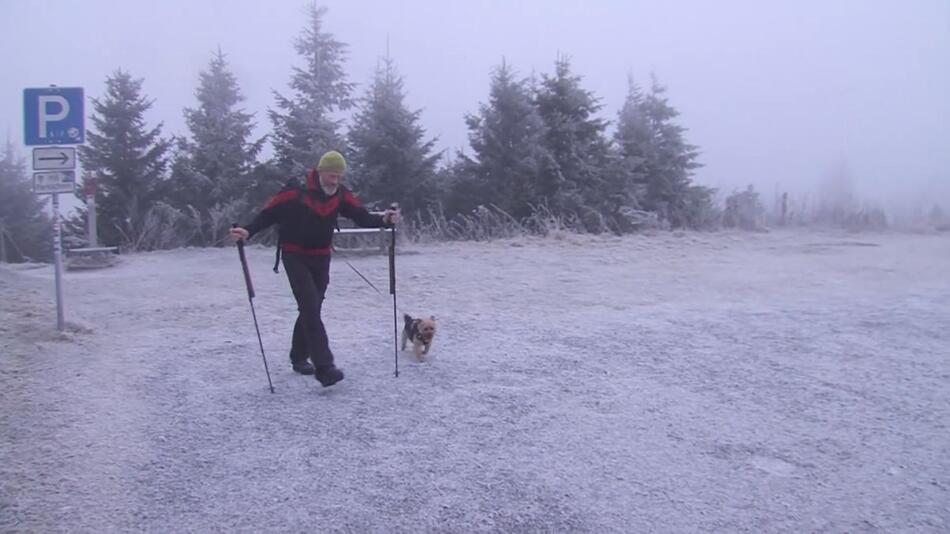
x,y
291,184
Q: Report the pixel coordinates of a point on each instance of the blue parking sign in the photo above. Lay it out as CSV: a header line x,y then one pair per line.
x,y
53,116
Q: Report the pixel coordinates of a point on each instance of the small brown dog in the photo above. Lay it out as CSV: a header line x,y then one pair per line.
x,y
420,331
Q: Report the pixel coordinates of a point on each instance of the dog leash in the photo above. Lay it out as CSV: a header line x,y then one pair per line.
x,y
357,271
392,287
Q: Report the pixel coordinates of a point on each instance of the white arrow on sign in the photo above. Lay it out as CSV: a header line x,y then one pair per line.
x,y
54,182
54,159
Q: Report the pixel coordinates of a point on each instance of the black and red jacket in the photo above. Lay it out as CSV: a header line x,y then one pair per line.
x,y
307,216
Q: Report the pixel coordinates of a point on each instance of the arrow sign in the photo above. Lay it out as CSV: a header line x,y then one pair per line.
x,y
62,158
54,159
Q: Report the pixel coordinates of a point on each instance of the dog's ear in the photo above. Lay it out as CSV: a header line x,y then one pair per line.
x,y
432,317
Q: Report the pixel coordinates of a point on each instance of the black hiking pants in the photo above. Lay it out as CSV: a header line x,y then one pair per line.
x,y
309,277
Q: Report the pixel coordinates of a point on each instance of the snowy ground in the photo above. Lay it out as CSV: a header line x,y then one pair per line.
x,y
788,382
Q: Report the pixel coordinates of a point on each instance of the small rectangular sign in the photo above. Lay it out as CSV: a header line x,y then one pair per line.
x,y
54,182
54,159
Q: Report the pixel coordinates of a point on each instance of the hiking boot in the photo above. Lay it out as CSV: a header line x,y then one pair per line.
x,y
303,367
329,375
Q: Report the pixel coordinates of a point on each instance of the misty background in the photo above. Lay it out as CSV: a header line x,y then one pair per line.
x,y
781,96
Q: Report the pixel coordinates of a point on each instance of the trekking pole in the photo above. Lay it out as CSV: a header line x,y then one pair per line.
x,y
392,291
250,298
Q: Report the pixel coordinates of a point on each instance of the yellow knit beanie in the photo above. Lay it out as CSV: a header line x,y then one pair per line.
x,y
332,161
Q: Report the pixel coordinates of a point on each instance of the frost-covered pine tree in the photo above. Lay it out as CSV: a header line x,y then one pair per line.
x,y
25,229
390,158
212,167
304,126
572,180
506,137
126,158
634,141
670,164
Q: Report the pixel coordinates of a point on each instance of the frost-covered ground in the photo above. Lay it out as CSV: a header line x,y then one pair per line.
x,y
789,382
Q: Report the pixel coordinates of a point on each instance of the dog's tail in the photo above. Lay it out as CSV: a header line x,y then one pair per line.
x,y
407,318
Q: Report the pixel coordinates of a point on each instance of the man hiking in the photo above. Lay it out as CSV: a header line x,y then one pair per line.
x,y
306,216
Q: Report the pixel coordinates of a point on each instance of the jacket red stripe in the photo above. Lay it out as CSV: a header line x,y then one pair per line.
x,y
323,209
280,198
312,179
293,247
351,199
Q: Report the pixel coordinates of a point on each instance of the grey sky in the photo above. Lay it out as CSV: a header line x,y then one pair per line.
x,y
772,92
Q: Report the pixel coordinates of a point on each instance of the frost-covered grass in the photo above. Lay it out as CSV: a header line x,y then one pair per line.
x,y
784,382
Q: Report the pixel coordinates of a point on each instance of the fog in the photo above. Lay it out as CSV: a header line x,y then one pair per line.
x,y
779,96
591,373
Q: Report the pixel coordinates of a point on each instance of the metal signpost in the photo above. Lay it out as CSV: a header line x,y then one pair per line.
x,y
54,116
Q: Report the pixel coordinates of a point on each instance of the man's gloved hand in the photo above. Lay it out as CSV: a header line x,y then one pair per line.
x,y
237,233
392,216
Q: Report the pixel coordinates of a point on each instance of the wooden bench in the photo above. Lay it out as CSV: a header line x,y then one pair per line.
x,y
91,258
351,239
92,250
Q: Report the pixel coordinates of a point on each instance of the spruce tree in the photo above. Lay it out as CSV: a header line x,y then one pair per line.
x,y
25,229
634,141
304,126
573,179
126,158
390,159
506,137
656,161
212,168
672,161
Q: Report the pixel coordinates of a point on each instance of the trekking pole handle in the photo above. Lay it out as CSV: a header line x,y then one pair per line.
x,y
247,272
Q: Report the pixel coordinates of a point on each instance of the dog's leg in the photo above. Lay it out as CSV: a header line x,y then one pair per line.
x,y
426,347
404,338
417,347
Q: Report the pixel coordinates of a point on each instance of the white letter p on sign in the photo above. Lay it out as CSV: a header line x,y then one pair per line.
x,y
45,117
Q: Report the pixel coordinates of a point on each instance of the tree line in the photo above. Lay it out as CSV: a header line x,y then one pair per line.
x,y
537,145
